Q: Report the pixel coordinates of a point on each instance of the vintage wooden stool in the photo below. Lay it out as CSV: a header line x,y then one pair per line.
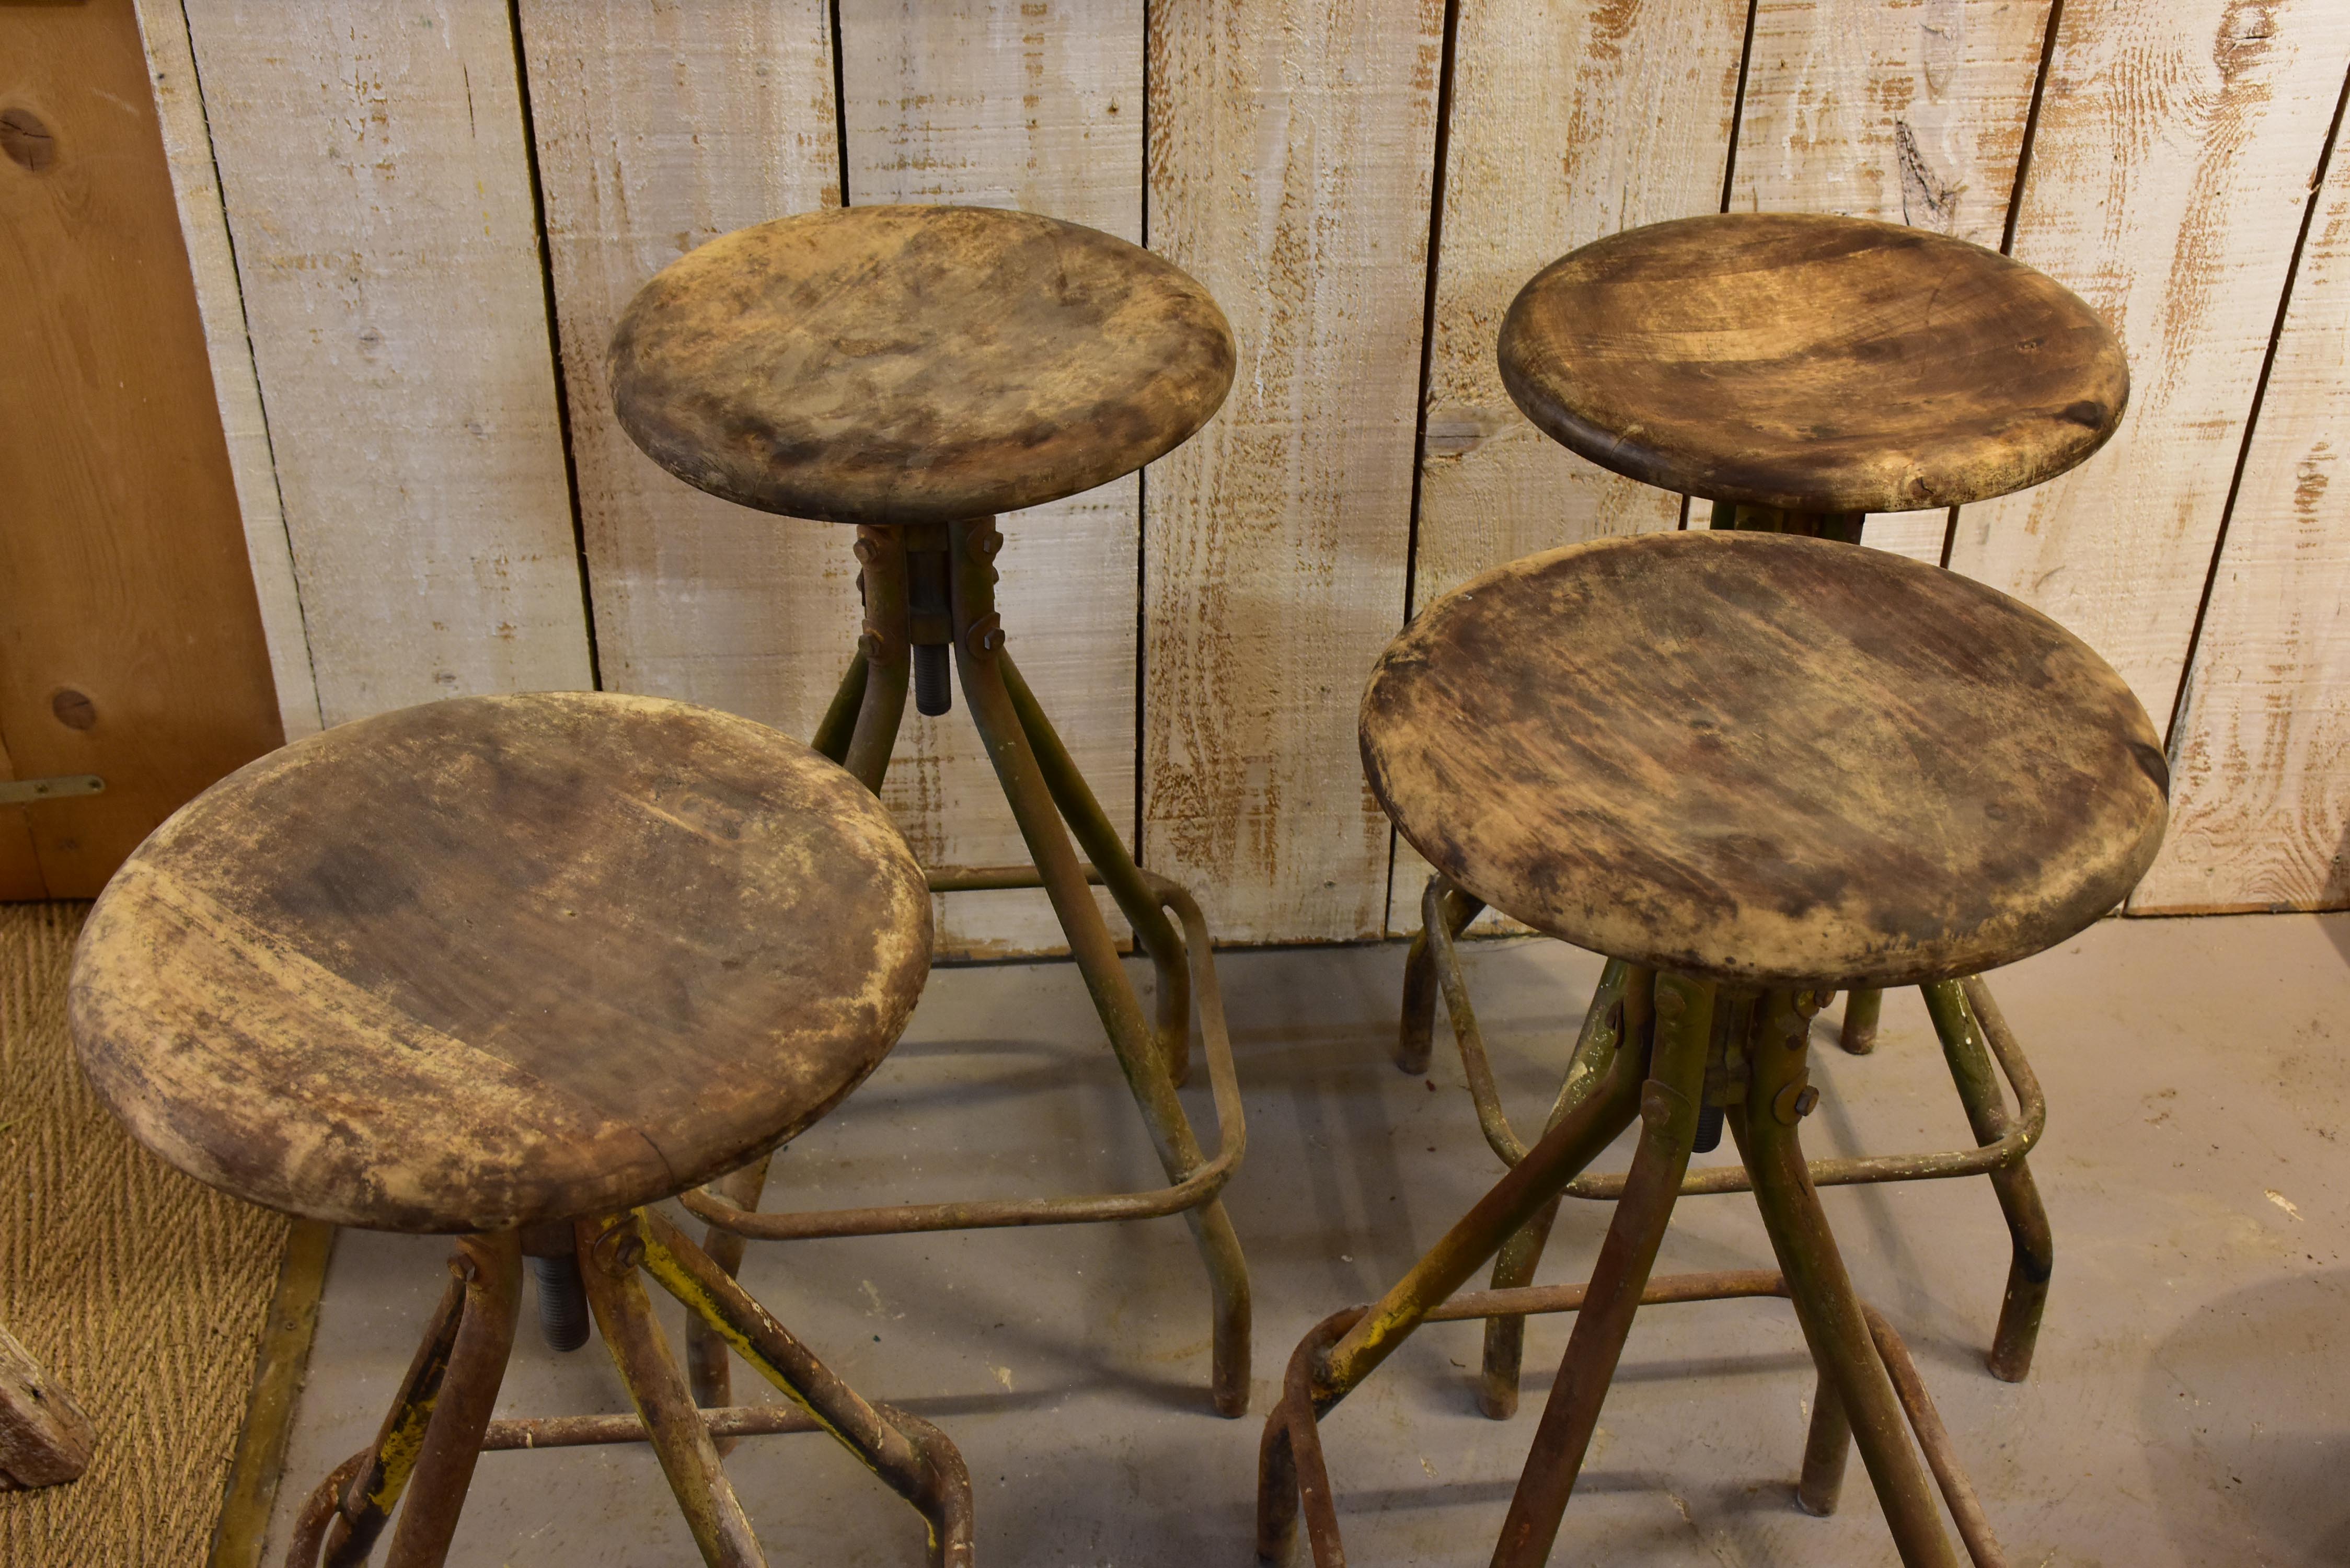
x,y
1747,767
513,968
1799,371
914,370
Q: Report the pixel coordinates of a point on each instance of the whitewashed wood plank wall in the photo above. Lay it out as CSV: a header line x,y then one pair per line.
x,y
413,230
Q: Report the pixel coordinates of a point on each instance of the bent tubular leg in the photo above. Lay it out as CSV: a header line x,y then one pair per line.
x,y
366,1489
979,639
1826,1305
608,1253
491,1271
1619,1014
1578,1139
1416,1029
913,1459
1668,1110
1962,1012
1107,852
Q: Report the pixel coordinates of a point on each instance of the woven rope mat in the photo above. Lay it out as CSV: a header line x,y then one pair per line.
x,y
141,1290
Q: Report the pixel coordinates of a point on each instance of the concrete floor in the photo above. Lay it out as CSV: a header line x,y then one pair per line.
x,y
2191,1404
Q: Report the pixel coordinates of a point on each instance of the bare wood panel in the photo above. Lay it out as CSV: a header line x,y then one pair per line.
x,y
377,189
658,128
1291,155
1910,111
2260,812
1569,122
203,226
2176,147
1036,105
130,644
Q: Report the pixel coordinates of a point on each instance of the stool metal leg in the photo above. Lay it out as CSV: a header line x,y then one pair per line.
x,y
1833,1322
1669,1112
1826,1446
1961,1011
1862,1009
1619,1014
1415,1030
432,1436
978,640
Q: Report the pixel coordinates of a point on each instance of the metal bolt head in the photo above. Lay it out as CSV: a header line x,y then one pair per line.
x,y
1807,1004
983,546
865,551
1793,1102
870,645
1669,1004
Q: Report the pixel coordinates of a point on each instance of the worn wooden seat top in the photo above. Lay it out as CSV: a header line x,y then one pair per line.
x,y
1819,364
1765,758
899,364
494,961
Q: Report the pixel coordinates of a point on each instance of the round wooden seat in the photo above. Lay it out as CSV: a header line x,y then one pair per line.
x,y
500,960
1812,363
1764,758
915,364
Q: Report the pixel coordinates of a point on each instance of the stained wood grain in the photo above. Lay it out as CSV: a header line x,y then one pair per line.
x,y
1910,111
1569,122
500,960
129,643
1944,781
2260,814
220,298
2175,149
1037,106
377,192
45,1438
1291,156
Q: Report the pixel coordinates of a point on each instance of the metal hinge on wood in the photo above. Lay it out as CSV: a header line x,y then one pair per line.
x,y
25,792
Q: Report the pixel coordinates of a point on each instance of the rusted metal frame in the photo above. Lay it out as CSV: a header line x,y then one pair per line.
x,y
886,644
1416,1027
1965,1017
1110,861
1827,1443
979,637
912,1457
430,1438
1834,1326
1292,1455
362,1501
518,1434
1862,1010
664,1403
1580,1135
1668,1118
1619,1011
834,730
1201,1186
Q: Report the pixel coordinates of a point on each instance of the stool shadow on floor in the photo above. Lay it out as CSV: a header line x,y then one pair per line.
x,y
2230,1487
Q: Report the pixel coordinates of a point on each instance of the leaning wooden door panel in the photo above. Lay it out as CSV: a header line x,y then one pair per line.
x,y
130,640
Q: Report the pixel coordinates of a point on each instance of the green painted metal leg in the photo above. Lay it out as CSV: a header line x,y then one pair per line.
x,y
1954,1005
1861,1011
368,1498
1619,1012
453,1439
1669,1107
978,640
1826,1447
1835,1324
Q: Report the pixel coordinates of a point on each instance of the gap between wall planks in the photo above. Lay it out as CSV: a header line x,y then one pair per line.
x,y
2260,760
1291,152
376,185
2168,173
1038,106
220,302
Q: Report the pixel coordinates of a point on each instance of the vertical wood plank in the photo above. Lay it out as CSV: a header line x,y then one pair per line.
x,y
2260,762
658,128
204,226
1291,156
377,185
1908,112
1570,121
1037,106
2175,151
